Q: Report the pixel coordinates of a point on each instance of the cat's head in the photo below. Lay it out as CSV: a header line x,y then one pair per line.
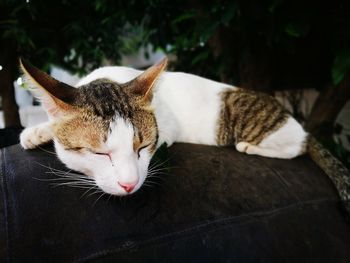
x,y
104,129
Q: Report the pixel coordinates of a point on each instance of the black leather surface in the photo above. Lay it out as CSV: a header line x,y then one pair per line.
x,y
9,136
217,205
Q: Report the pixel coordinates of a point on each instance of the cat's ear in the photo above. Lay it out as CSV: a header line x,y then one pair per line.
x,y
143,84
55,96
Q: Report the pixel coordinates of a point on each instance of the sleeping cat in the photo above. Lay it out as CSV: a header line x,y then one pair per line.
x,y
113,122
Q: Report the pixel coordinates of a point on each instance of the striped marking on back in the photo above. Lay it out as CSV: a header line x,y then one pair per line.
x,y
248,116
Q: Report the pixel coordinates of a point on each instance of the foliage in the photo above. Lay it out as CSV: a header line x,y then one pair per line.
x,y
228,34
77,35
80,35
341,66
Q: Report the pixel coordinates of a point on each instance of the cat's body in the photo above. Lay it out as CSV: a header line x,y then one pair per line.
x,y
110,130
192,109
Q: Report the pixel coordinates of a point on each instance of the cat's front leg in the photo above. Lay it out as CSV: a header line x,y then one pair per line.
x,y
34,136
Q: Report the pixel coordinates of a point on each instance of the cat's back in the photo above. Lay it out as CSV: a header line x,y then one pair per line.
x,y
188,80
188,91
177,80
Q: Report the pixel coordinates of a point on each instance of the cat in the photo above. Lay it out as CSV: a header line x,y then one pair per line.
x,y
110,126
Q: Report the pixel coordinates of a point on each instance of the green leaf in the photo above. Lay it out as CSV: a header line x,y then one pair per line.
x,y
297,29
200,57
208,31
100,5
229,14
341,66
274,5
183,17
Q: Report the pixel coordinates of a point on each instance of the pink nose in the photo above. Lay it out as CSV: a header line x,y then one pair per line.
x,y
127,186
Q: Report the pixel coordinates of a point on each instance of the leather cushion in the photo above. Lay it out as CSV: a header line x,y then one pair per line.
x,y
216,205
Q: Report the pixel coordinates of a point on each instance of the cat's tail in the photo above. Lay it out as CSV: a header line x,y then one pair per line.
x,y
335,170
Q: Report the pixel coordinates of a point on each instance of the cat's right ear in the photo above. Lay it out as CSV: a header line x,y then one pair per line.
x,y
55,96
143,84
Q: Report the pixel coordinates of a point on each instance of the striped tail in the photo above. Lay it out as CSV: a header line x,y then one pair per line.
x,y
335,170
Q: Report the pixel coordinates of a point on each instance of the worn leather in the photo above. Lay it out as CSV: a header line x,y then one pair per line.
x,y
216,205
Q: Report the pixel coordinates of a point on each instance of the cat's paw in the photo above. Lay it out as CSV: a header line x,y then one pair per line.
x,y
242,146
32,137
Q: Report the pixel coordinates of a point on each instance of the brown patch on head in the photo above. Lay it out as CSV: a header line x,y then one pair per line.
x,y
97,105
81,130
137,143
145,125
101,101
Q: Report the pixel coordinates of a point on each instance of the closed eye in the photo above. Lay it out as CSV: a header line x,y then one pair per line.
x,y
101,153
140,149
77,149
97,153
104,154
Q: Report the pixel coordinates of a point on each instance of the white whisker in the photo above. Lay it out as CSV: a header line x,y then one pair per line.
x,y
68,178
73,186
41,148
94,187
98,190
103,193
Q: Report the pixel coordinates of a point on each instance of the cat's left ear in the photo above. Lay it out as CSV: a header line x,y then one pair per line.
x,y
143,84
56,96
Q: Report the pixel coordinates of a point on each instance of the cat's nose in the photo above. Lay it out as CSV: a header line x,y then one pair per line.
x,y
128,187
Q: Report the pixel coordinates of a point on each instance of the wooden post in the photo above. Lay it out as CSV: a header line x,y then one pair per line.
x,y
8,60
327,107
